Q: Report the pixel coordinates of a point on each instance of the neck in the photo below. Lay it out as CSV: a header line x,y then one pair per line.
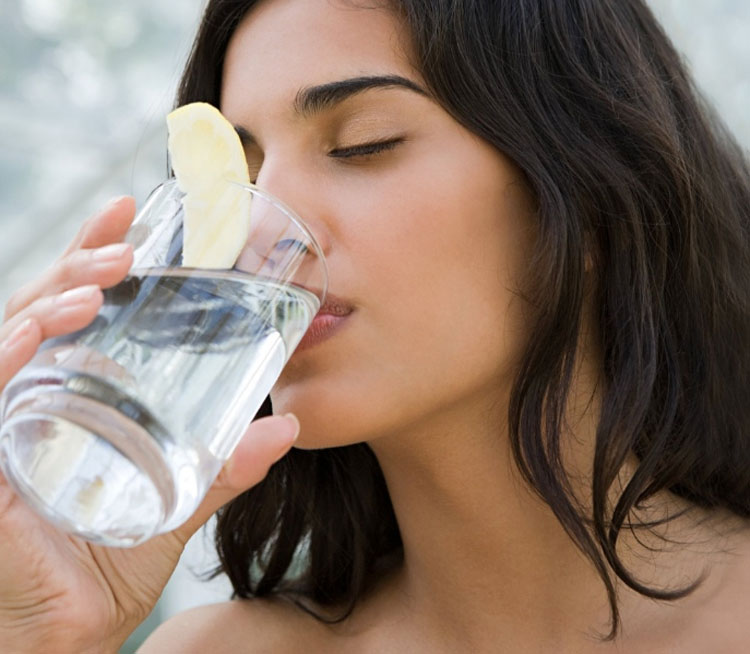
x,y
478,544
485,558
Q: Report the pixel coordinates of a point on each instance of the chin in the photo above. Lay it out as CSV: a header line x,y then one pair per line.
x,y
324,422
338,407
319,420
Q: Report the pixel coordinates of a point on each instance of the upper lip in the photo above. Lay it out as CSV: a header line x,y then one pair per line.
x,y
335,306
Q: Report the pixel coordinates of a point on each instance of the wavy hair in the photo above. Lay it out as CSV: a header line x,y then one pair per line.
x,y
632,171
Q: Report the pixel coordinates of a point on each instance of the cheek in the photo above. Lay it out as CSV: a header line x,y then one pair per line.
x,y
436,267
448,249
458,316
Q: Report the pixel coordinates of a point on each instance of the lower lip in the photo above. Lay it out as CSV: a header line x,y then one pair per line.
x,y
321,329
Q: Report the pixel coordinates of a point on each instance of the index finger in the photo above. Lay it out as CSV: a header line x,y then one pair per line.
x,y
109,225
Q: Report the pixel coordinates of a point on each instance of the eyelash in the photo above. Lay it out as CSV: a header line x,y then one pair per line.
x,y
365,149
362,150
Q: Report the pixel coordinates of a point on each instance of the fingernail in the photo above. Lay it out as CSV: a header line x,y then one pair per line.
x,y
294,424
19,334
77,296
110,252
288,439
115,200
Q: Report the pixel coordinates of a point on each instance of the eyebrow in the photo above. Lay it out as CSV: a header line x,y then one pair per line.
x,y
316,99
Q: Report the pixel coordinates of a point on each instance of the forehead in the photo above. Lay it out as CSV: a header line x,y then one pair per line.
x,y
283,45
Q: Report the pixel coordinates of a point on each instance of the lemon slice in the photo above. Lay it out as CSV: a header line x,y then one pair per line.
x,y
207,156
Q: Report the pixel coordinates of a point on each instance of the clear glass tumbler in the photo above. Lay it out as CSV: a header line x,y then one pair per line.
x,y
116,432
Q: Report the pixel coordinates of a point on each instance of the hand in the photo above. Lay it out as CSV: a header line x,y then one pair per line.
x,y
59,593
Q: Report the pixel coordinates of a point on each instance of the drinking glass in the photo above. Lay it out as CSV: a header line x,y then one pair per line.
x,y
116,432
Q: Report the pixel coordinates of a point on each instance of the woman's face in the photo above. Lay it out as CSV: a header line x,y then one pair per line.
x,y
425,227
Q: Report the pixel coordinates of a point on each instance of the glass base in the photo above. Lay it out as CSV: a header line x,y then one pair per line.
x,y
86,467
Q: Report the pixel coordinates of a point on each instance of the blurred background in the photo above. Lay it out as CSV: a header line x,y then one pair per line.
x,y
85,86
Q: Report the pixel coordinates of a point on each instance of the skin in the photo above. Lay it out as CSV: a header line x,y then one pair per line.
x,y
418,238
59,594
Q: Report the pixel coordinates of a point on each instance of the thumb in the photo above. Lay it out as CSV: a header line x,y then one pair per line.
x,y
264,443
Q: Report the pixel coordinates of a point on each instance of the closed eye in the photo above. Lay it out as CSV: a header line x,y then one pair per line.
x,y
365,149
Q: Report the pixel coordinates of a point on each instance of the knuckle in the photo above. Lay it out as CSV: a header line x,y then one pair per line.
x,y
87,224
17,301
66,269
222,479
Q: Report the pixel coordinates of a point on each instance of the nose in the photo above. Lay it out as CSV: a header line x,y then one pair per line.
x,y
279,247
297,190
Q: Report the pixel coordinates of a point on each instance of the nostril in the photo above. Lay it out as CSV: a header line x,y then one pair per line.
x,y
290,190
291,244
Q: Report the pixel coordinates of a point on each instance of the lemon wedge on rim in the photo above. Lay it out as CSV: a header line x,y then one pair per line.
x,y
207,156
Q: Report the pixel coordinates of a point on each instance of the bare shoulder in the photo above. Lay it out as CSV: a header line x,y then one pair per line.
x,y
729,614
717,618
252,626
714,618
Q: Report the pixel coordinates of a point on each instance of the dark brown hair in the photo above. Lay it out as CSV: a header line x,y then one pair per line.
x,y
631,170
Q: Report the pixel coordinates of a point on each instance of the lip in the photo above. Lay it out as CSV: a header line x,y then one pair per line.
x,y
331,315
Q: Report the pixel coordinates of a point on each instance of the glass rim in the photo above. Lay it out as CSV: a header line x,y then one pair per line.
x,y
286,210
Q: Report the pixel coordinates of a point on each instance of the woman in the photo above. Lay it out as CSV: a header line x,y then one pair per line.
x,y
528,418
